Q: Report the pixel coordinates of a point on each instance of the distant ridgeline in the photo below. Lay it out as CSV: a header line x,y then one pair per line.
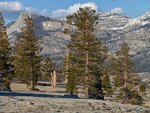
x,y
114,29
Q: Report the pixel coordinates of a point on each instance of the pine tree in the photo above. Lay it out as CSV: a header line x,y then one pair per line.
x,y
126,69
5,58
88,53
19,60
71,86
29,58
69,70
125,74
116,71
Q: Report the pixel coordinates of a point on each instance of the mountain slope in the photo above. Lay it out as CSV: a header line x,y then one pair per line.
x,y
113,28
51,31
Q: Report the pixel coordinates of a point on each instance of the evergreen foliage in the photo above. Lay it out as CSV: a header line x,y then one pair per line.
x,y
142,89
27,54
123,68
49,71
87,54
5,58
19,60
65,67
130,95
117,73
71,86
106,85
69,69
95,90
125,77
48,68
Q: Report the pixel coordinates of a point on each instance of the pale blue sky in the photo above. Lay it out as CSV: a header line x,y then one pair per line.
x,y
60,8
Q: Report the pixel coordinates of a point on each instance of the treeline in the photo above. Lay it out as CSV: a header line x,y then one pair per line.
x,y
87,62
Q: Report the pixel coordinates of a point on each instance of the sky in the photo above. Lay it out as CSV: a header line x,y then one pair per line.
x,y
11,9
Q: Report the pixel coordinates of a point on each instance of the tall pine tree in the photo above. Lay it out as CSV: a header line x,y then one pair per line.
x,y
87,52
124,67
5,58
125,77
19,60
69,70
27,54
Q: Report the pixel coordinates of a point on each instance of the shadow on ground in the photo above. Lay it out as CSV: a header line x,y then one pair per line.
x,y
2,93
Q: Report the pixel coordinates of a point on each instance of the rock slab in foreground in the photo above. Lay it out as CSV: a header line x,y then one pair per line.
x,y
24,104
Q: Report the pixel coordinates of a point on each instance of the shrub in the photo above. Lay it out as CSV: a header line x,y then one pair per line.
x,y
130,96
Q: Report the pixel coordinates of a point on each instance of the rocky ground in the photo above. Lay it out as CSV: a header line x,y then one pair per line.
x,y
54,100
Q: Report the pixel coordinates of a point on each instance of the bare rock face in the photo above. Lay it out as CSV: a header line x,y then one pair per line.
x,y
136,32
51,32
113,28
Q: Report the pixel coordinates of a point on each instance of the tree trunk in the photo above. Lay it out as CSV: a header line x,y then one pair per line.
x,y
86,72
86,88
125,77
54,79
87,92
31,84
31,79
66,79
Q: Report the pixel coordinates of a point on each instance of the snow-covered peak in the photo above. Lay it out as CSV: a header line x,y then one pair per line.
x,y
132,22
